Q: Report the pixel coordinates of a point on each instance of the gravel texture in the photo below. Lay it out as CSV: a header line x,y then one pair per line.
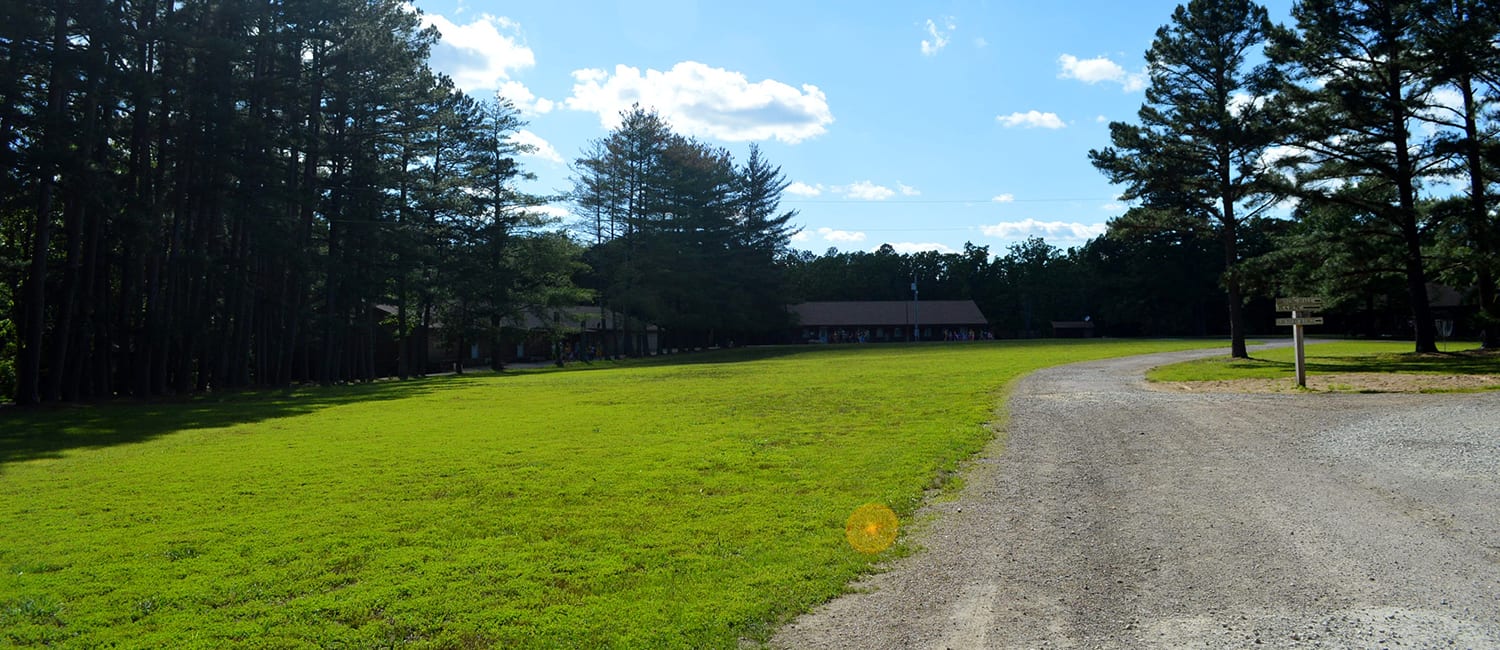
x,y
1113,516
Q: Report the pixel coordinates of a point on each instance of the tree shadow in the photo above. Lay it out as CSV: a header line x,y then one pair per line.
x,y
1467,362
47,431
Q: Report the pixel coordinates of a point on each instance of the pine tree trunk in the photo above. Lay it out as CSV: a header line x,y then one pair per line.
x,y
33,332
1229,233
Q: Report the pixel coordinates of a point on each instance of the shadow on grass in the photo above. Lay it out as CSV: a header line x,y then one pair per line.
x,y
1469,362
49,430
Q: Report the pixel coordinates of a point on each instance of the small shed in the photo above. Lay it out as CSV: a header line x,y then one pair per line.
x,y
1072,329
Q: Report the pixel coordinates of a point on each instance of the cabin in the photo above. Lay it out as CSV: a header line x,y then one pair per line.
x,y
539,334
580,331
1072,329
888,321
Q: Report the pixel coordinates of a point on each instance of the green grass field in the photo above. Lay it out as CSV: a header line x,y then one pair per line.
x,y
1335,357
690,502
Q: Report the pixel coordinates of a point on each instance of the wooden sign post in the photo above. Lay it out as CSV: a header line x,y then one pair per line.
x,y
1300,306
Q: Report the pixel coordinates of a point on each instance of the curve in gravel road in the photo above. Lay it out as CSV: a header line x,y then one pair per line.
x,y
1114,516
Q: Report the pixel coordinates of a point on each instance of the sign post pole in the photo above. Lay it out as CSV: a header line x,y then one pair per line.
x,y
1301,358
1298,307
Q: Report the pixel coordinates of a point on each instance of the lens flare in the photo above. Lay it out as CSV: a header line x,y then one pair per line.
x,y
871,528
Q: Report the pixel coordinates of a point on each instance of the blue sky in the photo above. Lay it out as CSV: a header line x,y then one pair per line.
x,y
923,124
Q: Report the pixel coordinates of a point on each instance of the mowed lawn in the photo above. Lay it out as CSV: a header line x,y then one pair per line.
x,y
1458,357
687,503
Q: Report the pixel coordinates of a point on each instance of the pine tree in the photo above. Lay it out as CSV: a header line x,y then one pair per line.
x,y
1460,38
1357,81
1203,131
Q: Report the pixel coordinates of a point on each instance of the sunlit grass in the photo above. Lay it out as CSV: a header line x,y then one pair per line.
x,y
654,504
1335,357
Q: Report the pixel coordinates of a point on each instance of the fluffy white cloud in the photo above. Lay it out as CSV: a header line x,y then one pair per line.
x,y
865,191
555,211
800,188
705,101
488,48
1004,198
537,146
1090,70
940,36
1031,120
906,247
840,236
907,190
801,236
524,99
1101,119
1095,70
1057,229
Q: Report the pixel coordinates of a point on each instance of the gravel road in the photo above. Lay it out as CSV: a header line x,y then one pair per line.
x,y
1114,516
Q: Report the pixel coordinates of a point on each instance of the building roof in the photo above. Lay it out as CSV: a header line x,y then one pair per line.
x,y
571,317
886,313
574,317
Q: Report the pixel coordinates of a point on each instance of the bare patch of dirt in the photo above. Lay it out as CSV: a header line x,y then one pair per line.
x,y
1344,382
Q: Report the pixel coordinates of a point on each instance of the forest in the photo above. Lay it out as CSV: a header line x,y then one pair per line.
x,y
211,194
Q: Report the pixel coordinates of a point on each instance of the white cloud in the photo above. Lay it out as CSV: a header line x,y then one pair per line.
x,y
488,57
1114,206
1004,198
1028,227
524,100
801,236
705,101
840,236
907,190
1272,157
865,191
915,247
1238,102
1101,119
1445,104
554,211
803,189
1031,120
1095,70
539,148
940,37
1090,70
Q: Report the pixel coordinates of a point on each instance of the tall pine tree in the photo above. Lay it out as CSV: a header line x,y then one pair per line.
x,y
1195,158
1357,82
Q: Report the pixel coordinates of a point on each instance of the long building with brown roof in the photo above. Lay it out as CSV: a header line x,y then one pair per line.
x,y
887,321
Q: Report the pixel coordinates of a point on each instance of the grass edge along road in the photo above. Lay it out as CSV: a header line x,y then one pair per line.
x,y
1341,359
687,502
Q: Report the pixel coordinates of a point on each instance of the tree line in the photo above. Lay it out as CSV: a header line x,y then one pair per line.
x,y
1350,155
1377,118
203,195
682,237
209,195
1124,283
